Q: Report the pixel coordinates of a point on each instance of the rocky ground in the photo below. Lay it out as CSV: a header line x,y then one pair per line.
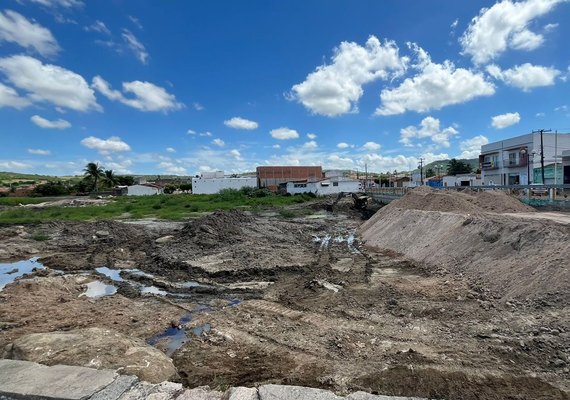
x,y
243,300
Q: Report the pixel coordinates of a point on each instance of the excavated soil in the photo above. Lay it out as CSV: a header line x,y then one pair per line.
x,y
301,301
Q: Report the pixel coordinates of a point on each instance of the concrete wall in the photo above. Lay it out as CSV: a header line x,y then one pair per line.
x,y
142,190
214,185
324,188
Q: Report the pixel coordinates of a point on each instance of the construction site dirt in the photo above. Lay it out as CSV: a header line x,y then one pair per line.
x,y
321,300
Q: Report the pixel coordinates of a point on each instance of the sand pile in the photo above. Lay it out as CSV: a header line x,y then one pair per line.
x,y
427,199
468,234
221,226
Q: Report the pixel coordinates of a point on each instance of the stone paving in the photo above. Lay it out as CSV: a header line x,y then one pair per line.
x,y
27,380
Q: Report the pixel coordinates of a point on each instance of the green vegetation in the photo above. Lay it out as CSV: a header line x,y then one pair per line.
x,y
161,206
40,237
456,167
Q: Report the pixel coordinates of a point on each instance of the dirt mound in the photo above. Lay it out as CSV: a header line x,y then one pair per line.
x,y
513,256
428,199
221,226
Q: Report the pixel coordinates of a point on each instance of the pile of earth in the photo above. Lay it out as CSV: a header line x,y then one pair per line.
x,y
428,199
513,255
221,226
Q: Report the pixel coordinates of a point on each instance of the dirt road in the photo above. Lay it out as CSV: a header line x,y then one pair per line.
x,y
262,299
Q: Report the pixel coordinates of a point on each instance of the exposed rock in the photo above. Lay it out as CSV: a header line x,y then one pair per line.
x,y
96,348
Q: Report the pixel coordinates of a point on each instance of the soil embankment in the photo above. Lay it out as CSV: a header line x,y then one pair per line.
x,y
496,242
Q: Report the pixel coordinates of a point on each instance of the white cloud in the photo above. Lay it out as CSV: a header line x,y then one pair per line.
x,y
504,120
235,154
284,133
15,28
105,146
59,3
98,26
241,123
504,26
135,46
172,168
191,132
276,146
342,145
47,124
219,142
335,89
310,145
471,148
428,128
10,165
147,96
372,146
136,21
171,150
525,76
434,87
539,115
311,136
10,98
49,83
198,106
39,152
208,134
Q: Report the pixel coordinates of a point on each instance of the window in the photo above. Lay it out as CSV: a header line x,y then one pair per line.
x,y
513,158
335,183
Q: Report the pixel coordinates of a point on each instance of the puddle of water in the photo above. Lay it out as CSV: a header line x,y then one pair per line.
x,y
190,284
113,274
153,290
9,272
99,289
327,239
197,331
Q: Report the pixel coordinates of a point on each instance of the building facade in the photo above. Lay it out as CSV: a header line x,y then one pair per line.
x,y
512,161
212,183
324,187
271,177
146,189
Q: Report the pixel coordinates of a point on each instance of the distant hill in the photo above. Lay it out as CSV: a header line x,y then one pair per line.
x,y
16,176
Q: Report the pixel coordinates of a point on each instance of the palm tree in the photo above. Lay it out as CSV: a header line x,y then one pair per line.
x,y
94,171
110,178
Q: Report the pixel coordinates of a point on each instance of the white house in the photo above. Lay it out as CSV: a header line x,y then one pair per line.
x,y
462,180
325,187
146,189
213,182
512,161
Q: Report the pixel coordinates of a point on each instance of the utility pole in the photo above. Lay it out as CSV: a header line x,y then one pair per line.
x,y
421,171
366,177
541,131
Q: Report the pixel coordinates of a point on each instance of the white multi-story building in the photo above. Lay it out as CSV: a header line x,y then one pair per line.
x,y
512,161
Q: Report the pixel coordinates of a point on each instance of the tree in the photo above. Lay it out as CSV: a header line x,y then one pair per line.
x,y
94,171
429,173
458,167
125,180
110,178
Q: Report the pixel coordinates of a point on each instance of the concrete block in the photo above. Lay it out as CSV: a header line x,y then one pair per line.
x,y
200,393
59,382
116,389
284,392
241,393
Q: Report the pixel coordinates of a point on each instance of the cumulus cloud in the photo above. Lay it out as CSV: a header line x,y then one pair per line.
x,y
10,98
219,142
504,25
335,89
504,120
15,28
311,144
49,83
145,95
105,146
428,128
235,154
172,168
342,145
135,46
171,150
284,133
98,26
39,152
58,3
9,165
241,123
525,76
276,146
434,87
198,106
136,21
471,148
311,136
47,124
372,146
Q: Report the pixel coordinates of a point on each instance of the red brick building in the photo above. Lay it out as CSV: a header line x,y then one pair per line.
x,y
271,177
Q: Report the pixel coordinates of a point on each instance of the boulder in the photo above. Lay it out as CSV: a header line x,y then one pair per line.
x,y
96,348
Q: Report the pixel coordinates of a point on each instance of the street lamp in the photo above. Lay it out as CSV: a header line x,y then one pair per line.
x,y
523,152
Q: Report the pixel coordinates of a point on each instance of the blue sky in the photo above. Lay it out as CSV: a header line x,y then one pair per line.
x,y
180,87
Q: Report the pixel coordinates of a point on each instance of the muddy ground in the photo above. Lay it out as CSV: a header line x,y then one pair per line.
x,y
296,301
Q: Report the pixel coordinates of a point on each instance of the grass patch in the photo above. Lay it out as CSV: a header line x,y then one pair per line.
x,y
16,201
170,207
40,237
